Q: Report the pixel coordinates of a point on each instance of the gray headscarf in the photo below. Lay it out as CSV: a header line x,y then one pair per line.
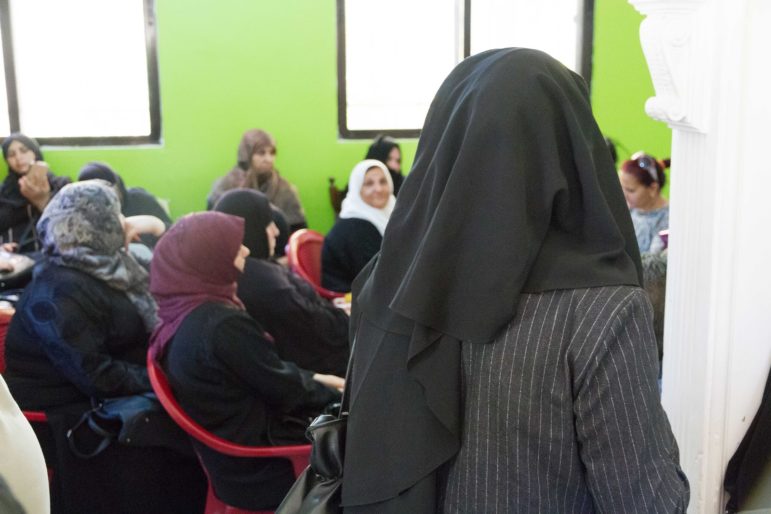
x,y
81,228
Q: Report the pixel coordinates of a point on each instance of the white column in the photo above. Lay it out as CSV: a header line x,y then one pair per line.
x,y
710,68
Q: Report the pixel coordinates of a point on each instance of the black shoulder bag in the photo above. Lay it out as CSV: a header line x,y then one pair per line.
x,y
137,420
317,490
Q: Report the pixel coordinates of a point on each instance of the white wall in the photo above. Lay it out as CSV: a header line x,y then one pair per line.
x,y
709,61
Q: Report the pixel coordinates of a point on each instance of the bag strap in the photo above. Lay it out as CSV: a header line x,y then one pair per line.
x,y
346,389
107,436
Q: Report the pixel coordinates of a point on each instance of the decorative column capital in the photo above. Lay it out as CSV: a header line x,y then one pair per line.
x,y
673,49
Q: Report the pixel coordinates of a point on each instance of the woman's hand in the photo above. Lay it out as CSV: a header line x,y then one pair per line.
x,y
5,265
134,226
9,247
34,185
332,381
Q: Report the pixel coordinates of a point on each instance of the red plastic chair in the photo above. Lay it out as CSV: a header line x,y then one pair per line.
x,y
304,255
299,455
5,320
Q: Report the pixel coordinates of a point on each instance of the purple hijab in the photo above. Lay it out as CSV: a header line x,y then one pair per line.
x,y
192,265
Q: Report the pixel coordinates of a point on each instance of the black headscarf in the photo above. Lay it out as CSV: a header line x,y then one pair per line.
x,y
100,170
283,231
10,192
381,148
255,209
512,190
26,141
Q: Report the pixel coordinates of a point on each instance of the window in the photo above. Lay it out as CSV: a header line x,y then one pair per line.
x,y
392,59
80,72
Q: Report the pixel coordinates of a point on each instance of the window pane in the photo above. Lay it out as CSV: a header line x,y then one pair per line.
x,y
81,67
548,25
395,62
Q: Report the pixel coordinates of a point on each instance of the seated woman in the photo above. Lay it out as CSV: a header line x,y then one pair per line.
x,y
222,368
308,330
24,193
642,178
80,334
81,327
357,234
255,170
386,150
134,201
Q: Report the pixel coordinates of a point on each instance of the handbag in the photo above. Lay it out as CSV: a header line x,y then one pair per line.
x,y
136,420
318,488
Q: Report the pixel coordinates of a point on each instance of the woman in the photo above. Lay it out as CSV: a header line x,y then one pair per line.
x,y
504,357
386,150
642,178
307,329
255,170
81,327
222,368
79,335
357,235
25,192
134,201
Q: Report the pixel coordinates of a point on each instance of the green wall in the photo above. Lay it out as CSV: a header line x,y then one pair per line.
x,y
621,83
231,65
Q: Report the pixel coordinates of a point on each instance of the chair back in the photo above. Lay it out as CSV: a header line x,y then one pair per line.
x,y
299,455
5,320
336,196
304,255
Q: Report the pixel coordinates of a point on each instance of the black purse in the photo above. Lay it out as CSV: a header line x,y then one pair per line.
x,y
137,420
318,489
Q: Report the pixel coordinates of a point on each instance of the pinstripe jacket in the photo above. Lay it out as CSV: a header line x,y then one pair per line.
x,y
562,413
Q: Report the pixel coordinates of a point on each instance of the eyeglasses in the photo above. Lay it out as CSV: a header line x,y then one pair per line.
x,y
647,163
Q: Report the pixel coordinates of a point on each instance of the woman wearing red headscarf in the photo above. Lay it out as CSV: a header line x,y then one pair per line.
x,y
223,370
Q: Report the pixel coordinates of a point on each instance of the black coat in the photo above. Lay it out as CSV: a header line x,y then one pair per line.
x,y
73,337
228,377
307,329
348,247
17,216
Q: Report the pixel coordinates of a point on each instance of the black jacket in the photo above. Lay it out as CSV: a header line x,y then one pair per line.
x,y
348,247
308,330
18,217
72,338
228,377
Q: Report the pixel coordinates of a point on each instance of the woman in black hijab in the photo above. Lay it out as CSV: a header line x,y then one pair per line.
x,y
134,201
308,330
508,365
24,193
386,150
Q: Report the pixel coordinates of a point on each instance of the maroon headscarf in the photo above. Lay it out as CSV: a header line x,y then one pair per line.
x,y
193,264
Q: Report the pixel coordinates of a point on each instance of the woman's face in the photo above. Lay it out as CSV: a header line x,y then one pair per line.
x,y
638,195
19,158
375,190
394,161
263,159
240,261
272,232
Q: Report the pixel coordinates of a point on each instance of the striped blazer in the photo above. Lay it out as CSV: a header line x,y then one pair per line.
x,y
562,413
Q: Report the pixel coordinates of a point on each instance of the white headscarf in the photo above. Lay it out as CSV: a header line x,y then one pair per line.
x,y
355,207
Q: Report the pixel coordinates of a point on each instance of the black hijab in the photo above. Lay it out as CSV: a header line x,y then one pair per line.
x,y
100,170
10,192
255,209
512,190
381,148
